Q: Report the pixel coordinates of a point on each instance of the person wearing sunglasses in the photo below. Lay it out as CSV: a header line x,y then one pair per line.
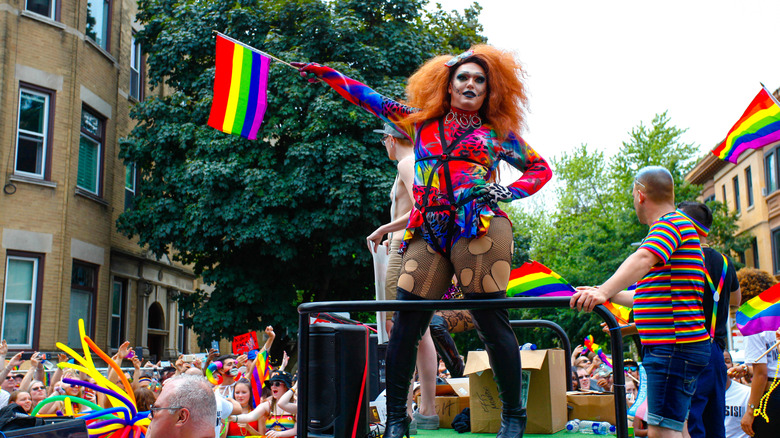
x,y
278,422
186,407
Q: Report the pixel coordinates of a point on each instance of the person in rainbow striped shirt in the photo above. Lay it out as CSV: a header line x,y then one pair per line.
x,y
668,269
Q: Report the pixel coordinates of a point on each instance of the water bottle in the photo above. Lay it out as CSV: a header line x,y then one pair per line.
x,y
528,346
595,427
573,426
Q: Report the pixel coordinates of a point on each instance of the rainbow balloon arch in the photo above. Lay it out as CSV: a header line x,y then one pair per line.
x,y
122,419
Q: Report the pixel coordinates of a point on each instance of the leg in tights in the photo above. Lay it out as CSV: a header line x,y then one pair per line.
x,y
424,274
482,266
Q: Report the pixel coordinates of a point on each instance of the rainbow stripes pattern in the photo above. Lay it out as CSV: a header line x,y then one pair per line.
x,y
761,313
668,301
758,127
240,87
533,279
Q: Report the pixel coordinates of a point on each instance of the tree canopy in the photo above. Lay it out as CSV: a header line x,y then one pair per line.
x,y
281,220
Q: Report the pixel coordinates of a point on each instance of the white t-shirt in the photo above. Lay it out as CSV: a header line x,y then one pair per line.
x,y
4,396
224,409
756,345
737,397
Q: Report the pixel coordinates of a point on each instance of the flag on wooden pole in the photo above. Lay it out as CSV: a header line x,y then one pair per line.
x,y
758,127
240,88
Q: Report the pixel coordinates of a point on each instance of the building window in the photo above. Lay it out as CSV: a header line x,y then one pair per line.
x,y
118,300
709,199
749,186
90,152
736,194
755,253
98,21
136,79
83,289
182,333
32,133
776,250
725,202
770,170
47,8
130,181
22,282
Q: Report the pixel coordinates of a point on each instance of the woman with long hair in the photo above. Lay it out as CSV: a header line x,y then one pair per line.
x,y
278,422
242,393
464,116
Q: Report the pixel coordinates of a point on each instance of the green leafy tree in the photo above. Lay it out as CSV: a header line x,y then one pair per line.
x,y
280,220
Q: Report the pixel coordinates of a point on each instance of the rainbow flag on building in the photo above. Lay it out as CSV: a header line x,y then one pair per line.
x,y
533,279
758,127
761,313
240,87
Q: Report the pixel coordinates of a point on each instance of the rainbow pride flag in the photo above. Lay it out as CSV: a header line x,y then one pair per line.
x,y
240,87
761,313
758,127
533,279
260,373
621,313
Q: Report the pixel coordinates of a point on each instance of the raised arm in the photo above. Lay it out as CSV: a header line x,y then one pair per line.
x,y
536,171
361,95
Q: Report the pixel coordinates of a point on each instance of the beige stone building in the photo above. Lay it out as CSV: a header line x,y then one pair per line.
x,y
750,187
70,70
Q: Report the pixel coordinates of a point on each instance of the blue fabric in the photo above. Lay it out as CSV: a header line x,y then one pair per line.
x,y
672,372
708,404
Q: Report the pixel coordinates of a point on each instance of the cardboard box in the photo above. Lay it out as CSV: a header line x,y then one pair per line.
x,y
593,406
447,407
546,405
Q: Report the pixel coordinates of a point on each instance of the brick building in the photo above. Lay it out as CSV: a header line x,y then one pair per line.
x,y
69,73
751,188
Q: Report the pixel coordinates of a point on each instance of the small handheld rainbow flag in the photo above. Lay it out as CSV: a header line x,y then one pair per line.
x,y
621,313
533,279
758,127
761,313
591,345
240,88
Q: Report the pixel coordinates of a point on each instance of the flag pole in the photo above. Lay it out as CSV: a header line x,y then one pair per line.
x,y
768,351
254,50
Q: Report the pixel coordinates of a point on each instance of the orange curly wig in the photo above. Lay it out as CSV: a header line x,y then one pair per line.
x,y
504,107
754,281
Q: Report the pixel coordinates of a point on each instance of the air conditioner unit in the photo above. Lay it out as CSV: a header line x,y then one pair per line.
x,y
763,191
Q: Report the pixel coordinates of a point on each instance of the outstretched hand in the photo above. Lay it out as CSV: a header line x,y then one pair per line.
x,y
308,71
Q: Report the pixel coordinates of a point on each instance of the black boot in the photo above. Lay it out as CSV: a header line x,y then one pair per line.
x,y
501,345
446,347
408,329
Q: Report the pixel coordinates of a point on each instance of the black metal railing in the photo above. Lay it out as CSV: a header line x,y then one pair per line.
x,y
305,309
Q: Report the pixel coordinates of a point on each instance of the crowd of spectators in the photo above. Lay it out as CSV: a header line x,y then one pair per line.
x,y
180,399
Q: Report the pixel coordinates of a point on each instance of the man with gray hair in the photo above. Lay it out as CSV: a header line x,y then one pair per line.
x,y
186,407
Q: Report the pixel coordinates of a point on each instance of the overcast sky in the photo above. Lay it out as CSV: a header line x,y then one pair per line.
x,y
597,69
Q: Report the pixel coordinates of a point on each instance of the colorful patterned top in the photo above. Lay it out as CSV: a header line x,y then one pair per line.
x,y
280,422
668,300
447,171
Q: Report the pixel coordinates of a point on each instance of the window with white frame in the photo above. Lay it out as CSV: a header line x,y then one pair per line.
x,y
98,21
136,87
32,133
21,290
83,289
47,8
90,152
130,181
118,299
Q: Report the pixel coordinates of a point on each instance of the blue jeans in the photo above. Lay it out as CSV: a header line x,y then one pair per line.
x,y
708,404
672,371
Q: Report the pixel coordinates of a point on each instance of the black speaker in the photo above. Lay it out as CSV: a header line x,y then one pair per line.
x,y
376,367
338,390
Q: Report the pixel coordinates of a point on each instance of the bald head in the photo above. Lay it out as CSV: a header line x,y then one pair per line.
x,y
656,183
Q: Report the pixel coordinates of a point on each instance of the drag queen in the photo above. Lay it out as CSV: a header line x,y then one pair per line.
x,y
463,116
